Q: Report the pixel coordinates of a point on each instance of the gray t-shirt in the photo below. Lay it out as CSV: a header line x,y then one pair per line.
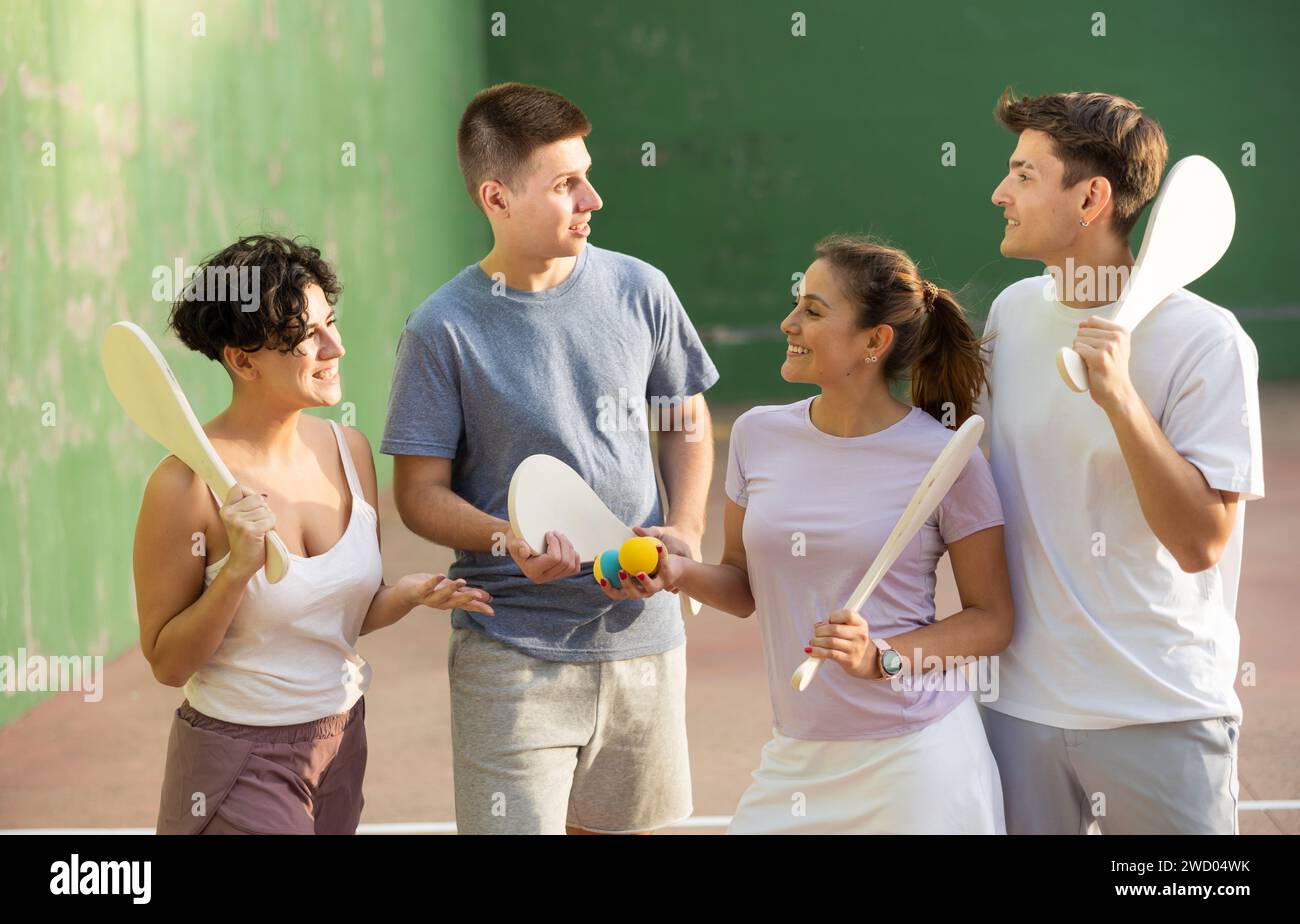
x,y
488,380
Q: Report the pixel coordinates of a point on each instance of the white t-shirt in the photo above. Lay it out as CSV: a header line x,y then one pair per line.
x,y
1109,630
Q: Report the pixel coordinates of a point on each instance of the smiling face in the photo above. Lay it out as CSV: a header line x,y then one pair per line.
x,y
550,211
1042,217
309,375
824,343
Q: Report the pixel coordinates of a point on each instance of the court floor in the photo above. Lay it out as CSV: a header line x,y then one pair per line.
x,y
67,764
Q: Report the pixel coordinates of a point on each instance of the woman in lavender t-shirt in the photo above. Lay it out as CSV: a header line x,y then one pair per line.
x,y
814,489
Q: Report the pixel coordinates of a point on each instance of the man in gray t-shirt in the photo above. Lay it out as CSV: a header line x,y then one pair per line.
x,y
568,707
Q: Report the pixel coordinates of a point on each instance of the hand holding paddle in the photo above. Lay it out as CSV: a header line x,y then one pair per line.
x,y
845,638
932,490
556,559
549,503
248,520
148,391
1190,228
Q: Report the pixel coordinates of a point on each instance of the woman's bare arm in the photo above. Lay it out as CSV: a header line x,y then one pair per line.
x,y
391,603
181,624
982,627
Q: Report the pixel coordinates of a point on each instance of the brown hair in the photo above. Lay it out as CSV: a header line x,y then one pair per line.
x,y
934,344
1096,134
504,124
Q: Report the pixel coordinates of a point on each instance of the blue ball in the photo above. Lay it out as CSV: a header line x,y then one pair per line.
x,y
609,567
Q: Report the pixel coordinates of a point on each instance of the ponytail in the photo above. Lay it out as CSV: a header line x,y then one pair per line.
x,y
948,373
934,344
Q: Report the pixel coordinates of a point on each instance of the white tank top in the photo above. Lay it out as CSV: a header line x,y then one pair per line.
x,y
290,653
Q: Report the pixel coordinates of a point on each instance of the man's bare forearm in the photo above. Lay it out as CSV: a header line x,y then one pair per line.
x,y
686,462
1189,517
440,515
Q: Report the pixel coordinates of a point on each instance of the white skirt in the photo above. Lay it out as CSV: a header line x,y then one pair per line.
x,y
940,780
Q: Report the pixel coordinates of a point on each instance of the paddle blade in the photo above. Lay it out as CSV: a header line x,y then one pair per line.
x,y
1191,226
546,494
145,387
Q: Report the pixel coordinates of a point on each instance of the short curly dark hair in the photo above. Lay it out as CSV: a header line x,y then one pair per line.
x,y
211,313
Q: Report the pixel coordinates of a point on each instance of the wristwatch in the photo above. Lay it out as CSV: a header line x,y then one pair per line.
x,y
889,660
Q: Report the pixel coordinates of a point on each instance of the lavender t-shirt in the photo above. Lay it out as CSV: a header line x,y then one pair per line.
x,y
817,510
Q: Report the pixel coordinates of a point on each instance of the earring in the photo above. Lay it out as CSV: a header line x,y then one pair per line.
x,y
1083,222
872,358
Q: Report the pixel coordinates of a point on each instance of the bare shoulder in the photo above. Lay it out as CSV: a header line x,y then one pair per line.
x,y
322,429
176,495
358,443
359,446
172,481
364,461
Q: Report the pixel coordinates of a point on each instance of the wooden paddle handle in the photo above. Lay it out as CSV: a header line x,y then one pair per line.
x,y
805,673
1073,371
277,558
218,477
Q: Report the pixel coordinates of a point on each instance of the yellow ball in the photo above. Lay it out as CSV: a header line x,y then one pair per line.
x,y
640,554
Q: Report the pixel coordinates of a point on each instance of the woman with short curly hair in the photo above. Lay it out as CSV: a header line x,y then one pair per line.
x,y
270,738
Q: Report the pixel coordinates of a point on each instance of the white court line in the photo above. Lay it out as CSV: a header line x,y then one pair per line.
x,y
1264,805
401,827
449,827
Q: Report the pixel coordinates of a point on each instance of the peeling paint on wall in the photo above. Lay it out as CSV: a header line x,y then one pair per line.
x,y
165,146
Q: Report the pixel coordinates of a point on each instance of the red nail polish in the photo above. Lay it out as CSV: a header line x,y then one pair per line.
x,y
661,548
622,575
641,576
604,583
807,651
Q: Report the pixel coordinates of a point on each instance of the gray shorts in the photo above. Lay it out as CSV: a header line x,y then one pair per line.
x,y
538,745
1163,778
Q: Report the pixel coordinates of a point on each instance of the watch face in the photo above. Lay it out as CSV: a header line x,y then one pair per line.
x,y
892,662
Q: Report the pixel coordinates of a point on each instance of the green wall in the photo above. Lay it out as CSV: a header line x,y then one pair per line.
x,y
169,145
765,142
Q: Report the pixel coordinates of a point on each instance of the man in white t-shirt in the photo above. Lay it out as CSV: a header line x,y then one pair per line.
x,y
1124,513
